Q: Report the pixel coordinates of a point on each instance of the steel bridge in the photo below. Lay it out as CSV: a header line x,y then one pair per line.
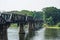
x,y
7,18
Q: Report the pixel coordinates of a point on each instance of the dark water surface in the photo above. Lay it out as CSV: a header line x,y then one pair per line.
x,y
42,34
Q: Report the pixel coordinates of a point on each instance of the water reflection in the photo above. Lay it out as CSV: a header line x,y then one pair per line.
x,y
30,35
52,34
21,36
42,34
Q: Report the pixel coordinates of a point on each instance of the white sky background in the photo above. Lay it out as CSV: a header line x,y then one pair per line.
x,y
33,5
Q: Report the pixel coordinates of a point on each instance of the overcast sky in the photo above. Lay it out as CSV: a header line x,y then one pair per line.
x,y
37,5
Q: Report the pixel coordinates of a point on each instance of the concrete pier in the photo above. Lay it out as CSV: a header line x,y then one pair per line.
x,y
3,32
31,27
21,29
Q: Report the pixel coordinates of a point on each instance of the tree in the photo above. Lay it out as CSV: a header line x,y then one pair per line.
x,y
26,12
38,15
52,12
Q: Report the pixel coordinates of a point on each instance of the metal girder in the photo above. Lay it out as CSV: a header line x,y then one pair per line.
x,y
2,20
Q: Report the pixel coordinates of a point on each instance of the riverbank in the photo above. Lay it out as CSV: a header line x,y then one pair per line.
x,y
13,25
53,27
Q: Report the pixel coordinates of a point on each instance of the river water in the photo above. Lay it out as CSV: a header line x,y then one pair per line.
x,y
42,34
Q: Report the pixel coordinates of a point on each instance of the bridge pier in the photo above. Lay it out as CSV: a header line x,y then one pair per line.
x,y
31,26
34,26
21,29
3,32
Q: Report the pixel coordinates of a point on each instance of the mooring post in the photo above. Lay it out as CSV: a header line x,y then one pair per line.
x,y
3,32
21,29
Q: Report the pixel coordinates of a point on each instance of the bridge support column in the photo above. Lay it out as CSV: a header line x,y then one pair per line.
x,y
3,33
21,29
31,26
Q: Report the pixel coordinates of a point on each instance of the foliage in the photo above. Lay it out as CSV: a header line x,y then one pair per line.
x,y
13,25
58,24
26,12
51,15
38,15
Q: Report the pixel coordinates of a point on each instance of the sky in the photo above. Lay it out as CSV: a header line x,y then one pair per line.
x,y
32,5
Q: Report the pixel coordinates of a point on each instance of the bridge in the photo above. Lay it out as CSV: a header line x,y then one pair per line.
x,y
7,18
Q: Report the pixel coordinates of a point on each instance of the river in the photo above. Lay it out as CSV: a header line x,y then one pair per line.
x,y
42,34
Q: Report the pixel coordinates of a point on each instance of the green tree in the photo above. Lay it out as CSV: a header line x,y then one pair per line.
x,y
26,12
51,13
38,15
